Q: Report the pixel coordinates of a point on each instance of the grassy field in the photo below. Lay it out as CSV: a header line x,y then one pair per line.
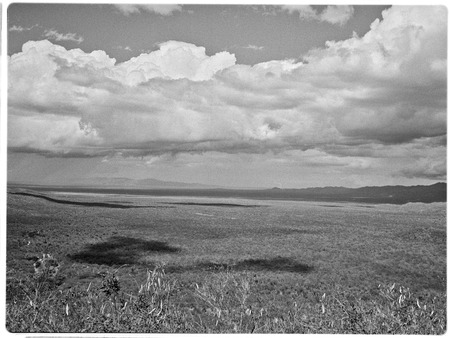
x,y
141,264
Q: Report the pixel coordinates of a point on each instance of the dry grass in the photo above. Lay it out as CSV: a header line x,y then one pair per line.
x,y
225,303
261,269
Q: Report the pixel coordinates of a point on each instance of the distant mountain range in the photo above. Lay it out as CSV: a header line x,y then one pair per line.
x,y
148,183
122,182
385,194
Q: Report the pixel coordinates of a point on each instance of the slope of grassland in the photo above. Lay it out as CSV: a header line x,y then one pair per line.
x,y
231,265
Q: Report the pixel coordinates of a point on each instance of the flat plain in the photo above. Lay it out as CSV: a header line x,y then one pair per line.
x,y
285,247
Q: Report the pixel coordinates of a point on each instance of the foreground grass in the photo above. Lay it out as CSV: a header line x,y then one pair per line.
x,y
224,302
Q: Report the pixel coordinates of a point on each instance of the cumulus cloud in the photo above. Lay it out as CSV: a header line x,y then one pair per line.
x,y
158,9
174,60
334,14
53,34
354,99
402,96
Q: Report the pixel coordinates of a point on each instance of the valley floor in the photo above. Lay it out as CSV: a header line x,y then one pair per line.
x,y
230,265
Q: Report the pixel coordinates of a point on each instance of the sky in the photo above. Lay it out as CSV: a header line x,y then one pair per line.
x,y
236,96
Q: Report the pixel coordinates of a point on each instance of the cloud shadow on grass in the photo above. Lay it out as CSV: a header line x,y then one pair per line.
x,y
120,250
86,204
274,264
225,205
277,264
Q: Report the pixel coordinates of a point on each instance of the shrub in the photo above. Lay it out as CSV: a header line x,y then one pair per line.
x,y
223,302
46,267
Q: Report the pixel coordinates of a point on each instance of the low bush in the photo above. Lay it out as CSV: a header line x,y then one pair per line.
x,y
223,302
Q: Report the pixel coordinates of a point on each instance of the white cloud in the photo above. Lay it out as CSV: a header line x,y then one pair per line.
x,y
55,35
362,97
50,133
158,9
334,14
254,47
337,15
402,96
15,28
174,60
19,28
127,48
304,11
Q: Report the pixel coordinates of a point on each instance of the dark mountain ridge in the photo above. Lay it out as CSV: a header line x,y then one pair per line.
x,y
396,194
